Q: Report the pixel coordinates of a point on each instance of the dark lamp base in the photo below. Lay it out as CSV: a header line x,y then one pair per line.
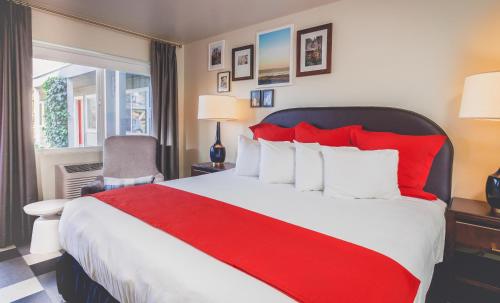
x,y
217,151
493,191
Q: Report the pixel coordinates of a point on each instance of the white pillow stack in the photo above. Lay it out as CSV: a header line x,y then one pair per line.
x,y
361,174
340,172
308,166
248,158
277,161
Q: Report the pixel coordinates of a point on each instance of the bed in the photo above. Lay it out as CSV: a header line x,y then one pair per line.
x,y
112,256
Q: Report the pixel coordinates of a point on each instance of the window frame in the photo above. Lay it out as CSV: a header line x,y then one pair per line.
x,y
101,61
147,107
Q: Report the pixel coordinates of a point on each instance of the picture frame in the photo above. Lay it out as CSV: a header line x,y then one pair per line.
x,y
255,98
267,98
224,82
314,51
274,57
216,54
242,62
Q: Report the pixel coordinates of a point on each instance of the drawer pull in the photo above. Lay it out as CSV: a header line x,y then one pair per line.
x,y
477,226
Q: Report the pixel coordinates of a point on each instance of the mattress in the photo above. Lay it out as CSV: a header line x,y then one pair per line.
x,y
135,262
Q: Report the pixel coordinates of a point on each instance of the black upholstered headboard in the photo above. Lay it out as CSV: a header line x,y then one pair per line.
x,y
379,119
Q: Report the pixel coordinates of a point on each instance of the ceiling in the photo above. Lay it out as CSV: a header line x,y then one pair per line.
x,y
180,20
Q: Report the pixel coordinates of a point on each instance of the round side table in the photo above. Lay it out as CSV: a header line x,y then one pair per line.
x,y
45,238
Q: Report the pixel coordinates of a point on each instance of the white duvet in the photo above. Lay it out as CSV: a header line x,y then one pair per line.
x,y
138,263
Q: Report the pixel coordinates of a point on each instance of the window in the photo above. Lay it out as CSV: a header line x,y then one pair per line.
x,y
78,105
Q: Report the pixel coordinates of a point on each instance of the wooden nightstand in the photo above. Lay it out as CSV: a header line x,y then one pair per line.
x,y
472,254
208,168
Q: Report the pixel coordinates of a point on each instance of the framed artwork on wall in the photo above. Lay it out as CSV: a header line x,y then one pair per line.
x,y
267,98
314,51
223,82
255,98
274,57
216,55
242,62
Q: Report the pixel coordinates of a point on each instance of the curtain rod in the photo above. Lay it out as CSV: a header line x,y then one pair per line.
x,y
93,22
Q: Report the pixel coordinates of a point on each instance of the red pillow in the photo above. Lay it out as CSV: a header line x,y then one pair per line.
x,y
272,132
416,153
307,133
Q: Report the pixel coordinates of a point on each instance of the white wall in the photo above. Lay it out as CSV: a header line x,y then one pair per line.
x,y
66,32
401,53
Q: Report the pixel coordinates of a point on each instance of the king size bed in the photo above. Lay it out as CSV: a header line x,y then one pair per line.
x,y
112,255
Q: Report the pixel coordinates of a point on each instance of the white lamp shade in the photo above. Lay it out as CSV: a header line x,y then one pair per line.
x,y
481,96
219,108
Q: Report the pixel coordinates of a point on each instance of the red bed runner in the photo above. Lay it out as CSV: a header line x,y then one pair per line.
x,y
305,265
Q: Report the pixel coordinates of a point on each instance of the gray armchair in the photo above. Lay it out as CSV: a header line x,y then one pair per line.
x,y
126,157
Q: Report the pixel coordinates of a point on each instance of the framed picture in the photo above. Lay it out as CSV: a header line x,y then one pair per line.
x,y
314,50
242,66
267,98
274,57
223,82
255,98
216,55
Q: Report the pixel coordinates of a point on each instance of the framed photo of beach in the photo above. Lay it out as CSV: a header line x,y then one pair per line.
x,y
274,57
314,51
216,55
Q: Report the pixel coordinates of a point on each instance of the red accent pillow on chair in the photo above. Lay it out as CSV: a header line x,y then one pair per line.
x,y
272,132
307,133
416,154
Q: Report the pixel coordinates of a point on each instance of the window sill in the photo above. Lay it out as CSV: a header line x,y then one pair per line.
x,y
65,150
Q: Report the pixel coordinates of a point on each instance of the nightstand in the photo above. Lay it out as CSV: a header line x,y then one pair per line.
x,y
208,168
472,254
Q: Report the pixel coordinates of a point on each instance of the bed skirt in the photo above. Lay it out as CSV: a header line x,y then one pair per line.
x,y
76,286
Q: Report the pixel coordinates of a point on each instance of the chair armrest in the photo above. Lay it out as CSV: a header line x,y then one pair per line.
x,y
158,178
93,187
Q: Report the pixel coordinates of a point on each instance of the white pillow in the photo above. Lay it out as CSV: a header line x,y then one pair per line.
x,y
309,172
277,161
360,174
308,166
248,158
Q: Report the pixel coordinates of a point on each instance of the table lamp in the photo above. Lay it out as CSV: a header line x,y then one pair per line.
x,y
481,100
217,108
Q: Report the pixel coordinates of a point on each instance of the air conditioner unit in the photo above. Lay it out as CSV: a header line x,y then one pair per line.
x,y
70,178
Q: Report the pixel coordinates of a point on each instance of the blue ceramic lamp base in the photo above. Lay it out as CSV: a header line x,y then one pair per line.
x,y
493,191
217,151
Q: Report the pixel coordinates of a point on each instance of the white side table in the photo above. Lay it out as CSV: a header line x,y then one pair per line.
x,y
45,237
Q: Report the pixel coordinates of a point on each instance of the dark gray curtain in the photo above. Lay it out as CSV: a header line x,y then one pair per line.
x,y
17,157
164,86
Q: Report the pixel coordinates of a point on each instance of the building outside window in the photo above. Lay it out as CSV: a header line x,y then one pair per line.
x,y
96,102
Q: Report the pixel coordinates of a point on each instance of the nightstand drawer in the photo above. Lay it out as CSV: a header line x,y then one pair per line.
x,y
208,168
476,236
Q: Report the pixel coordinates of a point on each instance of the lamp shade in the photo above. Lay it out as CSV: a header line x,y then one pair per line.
x,y
219,108
481,96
